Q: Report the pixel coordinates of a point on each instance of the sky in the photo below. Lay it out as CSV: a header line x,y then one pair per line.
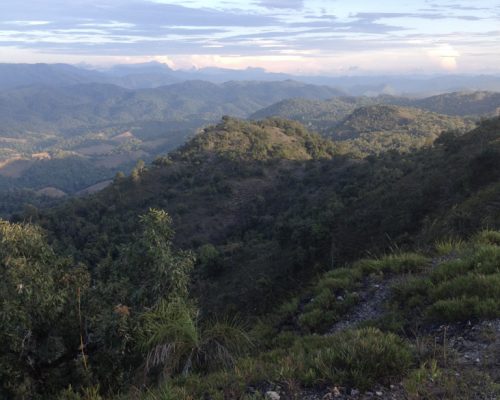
x,y
327,37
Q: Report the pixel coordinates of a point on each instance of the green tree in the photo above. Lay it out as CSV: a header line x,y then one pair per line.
x,y
40,316
171,333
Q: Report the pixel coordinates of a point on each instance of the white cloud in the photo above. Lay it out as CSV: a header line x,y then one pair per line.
x,y
26,23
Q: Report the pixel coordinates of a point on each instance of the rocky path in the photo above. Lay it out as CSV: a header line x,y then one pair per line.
x,y
373,296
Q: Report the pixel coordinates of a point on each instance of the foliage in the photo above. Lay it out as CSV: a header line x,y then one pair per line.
x,y
275,214
40,314
394,263
461,289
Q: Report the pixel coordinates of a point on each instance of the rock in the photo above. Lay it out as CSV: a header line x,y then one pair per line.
x,y
340,298
379,394
354,392
336,392
272,396
328,396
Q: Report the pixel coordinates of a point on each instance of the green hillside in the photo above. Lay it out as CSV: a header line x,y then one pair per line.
x,y
378,128
366,125
77,109
462,103
107,129
293,269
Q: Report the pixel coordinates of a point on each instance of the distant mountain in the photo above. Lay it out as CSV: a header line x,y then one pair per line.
x,y
379,128
367,126
18,75
130,76
155,74
408,85
395,120
459,103
90,106
319,115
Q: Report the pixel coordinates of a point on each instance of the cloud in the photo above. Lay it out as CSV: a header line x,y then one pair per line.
x,y
373,16
26,23
268,30
286,4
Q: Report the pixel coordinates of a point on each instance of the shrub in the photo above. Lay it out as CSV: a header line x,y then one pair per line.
x,y
394,263
358,358
433,383
450,269
488,237
470,285
448,246
463,309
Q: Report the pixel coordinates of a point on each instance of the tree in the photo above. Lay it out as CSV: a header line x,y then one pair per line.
x,y
171,333
138,170
40,329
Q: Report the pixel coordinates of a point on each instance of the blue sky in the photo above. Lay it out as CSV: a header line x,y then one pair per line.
x,y
295,36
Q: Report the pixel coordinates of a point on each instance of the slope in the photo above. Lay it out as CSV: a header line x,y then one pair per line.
x,y
378,128
277,204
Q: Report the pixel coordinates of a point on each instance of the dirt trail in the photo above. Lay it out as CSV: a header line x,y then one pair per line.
x,y
373,297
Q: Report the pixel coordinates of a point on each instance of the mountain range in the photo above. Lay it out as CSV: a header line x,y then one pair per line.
x,y
154,74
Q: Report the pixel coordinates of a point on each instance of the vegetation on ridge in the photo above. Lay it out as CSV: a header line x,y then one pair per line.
x,y
104,301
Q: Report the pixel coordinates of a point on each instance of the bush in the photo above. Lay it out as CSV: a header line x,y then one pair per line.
x,y
448,246
357,358
463,309
433,383
488,237
394,263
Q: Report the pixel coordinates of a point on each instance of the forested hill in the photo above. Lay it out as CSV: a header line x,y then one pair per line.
x,y
272,139
97,129
481,103
108,128
323,113
379,128
82,108
118,299
367,126
394,119
277,201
